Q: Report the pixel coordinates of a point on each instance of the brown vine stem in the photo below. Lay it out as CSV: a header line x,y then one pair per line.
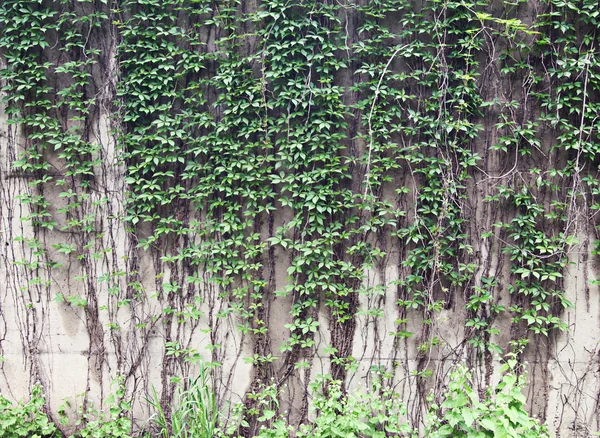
x,y
577,176
369,120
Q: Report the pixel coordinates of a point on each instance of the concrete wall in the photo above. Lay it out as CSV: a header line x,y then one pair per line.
x,y
71,351
46,337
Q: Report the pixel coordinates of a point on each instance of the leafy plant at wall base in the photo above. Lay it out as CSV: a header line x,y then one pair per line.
x,y
112,421
377,413
501,414
380,412
26,419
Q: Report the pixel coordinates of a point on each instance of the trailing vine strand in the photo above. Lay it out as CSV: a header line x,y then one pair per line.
x,y
308,188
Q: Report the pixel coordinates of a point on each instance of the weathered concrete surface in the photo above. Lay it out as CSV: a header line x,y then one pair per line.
x,y
59,345
125,328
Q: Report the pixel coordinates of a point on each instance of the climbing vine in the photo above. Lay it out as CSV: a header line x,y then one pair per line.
x,y
306,187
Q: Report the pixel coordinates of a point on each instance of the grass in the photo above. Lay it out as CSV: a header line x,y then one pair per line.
x,y
194,412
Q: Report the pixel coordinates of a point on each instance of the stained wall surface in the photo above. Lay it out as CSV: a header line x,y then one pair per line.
x,y
83,301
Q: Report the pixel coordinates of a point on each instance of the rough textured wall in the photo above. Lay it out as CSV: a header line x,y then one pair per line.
x,y
285,190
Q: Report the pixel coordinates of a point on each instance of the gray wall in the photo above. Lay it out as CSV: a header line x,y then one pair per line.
x,y
73,349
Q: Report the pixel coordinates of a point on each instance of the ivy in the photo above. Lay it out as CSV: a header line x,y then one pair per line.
x,y
368,152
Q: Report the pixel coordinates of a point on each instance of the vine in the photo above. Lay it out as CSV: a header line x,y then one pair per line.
x,y
312,186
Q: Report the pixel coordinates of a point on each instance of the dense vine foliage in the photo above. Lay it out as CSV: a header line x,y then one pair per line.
x,y
343,173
